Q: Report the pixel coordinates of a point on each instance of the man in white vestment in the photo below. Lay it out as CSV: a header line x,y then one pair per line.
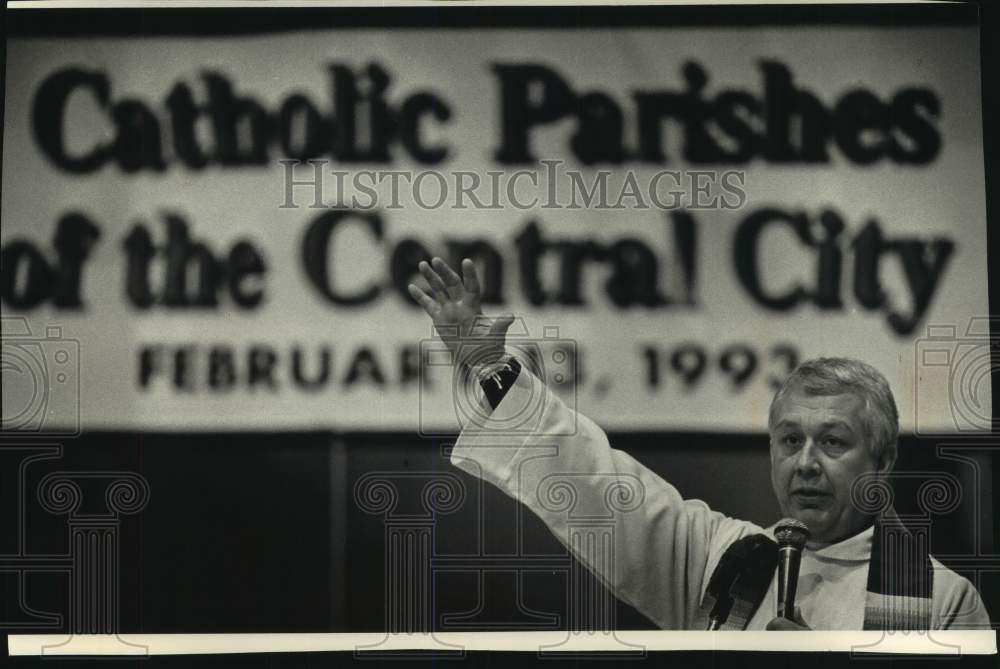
x,y
833,423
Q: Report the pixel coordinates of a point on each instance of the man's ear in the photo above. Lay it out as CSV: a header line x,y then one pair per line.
x,y
887,459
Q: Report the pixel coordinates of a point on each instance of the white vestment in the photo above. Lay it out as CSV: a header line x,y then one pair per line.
x,y
666,548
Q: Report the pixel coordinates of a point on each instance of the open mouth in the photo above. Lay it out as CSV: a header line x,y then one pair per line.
x,y
809,496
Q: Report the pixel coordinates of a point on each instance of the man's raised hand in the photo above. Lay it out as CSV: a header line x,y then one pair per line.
x,y
453,303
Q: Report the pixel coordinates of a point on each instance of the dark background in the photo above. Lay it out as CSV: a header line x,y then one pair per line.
x,y
252,532
248,532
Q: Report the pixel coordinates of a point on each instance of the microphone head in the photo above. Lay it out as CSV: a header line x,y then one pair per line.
x,y
791,532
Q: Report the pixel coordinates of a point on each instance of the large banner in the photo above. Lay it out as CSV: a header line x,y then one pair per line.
x,y
217,232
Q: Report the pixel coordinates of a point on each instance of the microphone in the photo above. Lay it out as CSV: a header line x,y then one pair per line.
x,y
792,536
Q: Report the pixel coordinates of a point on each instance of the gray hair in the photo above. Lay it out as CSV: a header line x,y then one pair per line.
x,y
836,376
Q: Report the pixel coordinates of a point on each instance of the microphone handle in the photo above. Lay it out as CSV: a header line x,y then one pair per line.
x,y
788,578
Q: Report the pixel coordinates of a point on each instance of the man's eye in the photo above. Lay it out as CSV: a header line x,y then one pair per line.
x,y
791,440
833,442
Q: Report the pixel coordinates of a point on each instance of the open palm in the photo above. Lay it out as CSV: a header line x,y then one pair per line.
x,y
453,303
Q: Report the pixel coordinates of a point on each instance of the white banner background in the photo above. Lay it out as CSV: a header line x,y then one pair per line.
x,y
944,198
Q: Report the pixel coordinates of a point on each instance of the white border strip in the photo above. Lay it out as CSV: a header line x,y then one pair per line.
x,y
951,642
235,4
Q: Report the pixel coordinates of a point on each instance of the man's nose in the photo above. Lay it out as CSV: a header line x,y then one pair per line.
x,y
806,464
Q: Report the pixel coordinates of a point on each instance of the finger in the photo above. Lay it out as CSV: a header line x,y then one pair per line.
x,y
436,284
785,625
780,624
470,278
452,280
500,325
425,300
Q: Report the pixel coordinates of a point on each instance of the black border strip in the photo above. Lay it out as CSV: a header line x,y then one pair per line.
x,y
989,52
252,20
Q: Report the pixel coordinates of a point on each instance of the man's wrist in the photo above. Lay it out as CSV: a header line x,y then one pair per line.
x,y
484,371
497,378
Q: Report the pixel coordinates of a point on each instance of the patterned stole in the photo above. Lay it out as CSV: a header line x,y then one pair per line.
x,y
748,589
900,577
900,583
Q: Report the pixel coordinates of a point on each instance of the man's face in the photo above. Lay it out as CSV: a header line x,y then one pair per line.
x,y
819,446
